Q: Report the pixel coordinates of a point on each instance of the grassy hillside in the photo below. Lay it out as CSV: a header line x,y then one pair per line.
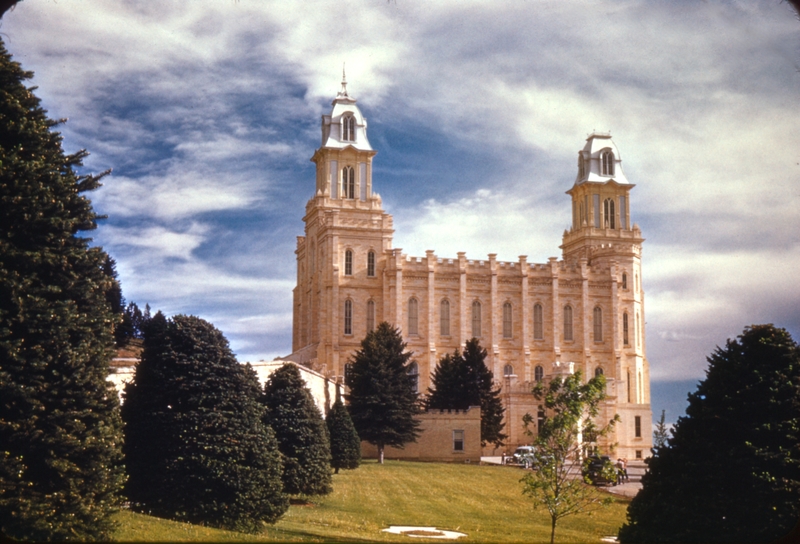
x,y
485,502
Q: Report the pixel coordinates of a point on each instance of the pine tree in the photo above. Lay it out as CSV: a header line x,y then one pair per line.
x,y
731,471
345,443
382,399
195,444
660,434
462,380
60,432
301,433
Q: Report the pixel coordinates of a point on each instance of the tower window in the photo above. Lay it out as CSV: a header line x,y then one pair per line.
x,y
581,167
413,316
625,328
598,324
349,182
607,163
628,383
348,317
348,128
371,264
623,213
348,263
538,373
444,318
413,373
507,320
598,371
609,217
637,423
370,315
538,322
624,280
508,370
568,323
476,319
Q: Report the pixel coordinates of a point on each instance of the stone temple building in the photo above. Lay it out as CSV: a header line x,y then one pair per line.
x,y
583,312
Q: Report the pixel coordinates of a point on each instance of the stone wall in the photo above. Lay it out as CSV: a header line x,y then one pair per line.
x,y
436,443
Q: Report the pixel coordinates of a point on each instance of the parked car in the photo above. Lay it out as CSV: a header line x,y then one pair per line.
x,y
523,455
599,470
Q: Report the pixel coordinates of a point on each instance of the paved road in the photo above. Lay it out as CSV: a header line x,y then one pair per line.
x,y
627,489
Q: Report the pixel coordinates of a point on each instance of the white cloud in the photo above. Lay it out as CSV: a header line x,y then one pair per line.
x,y
208,112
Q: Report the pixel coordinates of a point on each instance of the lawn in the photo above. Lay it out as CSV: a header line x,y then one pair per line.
x,y
485,502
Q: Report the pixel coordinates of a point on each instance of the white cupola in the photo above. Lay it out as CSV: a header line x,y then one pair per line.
x,y
599,161
345,126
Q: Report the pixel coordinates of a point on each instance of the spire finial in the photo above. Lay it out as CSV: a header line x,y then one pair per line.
x,y
343,92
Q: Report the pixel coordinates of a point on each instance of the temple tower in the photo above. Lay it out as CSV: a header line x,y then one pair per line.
x,y
340,260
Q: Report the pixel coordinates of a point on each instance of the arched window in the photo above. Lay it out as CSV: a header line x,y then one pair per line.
x,y
538,322
349,182
508,370
348,317
628,384
507,323
538,373
625,328
568,323
624,280
598,371
476,319
598,324
444,318
348,128
413,373
607,163
413,313
348,263
371,264
370,315
609,217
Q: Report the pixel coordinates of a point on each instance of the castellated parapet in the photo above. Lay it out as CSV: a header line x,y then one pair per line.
x,y
584,311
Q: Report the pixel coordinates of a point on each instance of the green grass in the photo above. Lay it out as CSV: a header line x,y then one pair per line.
x,y
485,502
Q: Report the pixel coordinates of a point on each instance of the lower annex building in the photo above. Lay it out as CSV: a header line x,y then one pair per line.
x,y
583,312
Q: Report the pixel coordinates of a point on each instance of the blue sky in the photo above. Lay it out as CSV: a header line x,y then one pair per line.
x,y
209,111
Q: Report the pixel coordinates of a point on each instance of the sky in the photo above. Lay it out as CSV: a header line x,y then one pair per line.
x,y
208,112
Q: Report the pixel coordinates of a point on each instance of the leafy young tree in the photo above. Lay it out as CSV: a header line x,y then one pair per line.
x,y
462,380
567,431
195,444
345,443
660,434
731,471
382,399
301,433
60,432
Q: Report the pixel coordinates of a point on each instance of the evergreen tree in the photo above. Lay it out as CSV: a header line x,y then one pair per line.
x,y
196,447
301,433
60,432
731,471
382,399
345,443
660,434
462,380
